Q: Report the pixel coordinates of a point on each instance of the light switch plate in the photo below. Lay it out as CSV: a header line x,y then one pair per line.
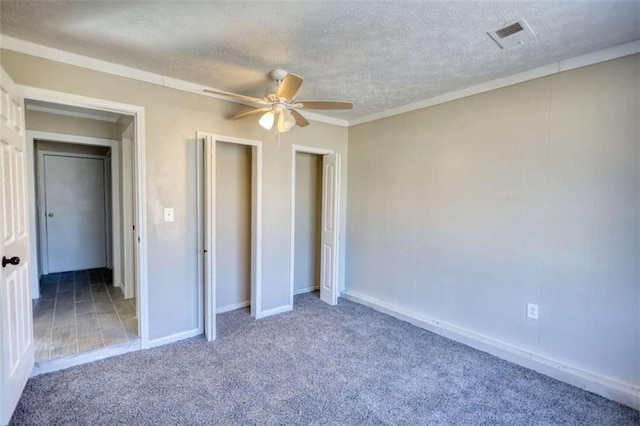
x,y
532,311
168,214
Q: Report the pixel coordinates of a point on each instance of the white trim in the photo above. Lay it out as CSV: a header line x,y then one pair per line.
x,y
201,254
44,236
614,52
598,56
306,290
174,338
142,291
232,307
84,357
292,242
126,146
206,219
35,202
275,311
40,51
592,382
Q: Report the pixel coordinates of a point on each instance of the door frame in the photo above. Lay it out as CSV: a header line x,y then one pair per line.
x,y
139,157
307,150
206,226
43,254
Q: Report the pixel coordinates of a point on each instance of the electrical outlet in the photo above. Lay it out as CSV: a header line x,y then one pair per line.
x,y
532,311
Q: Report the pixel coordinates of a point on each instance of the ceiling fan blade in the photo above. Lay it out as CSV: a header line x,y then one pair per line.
x,y
250,113
300,120
325,105
289,86
240,97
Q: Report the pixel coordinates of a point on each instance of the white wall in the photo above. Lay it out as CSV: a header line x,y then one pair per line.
x,y
466,211
307,221
233,225
172,120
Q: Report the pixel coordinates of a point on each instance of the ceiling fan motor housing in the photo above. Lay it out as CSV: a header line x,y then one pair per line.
x,y
278,74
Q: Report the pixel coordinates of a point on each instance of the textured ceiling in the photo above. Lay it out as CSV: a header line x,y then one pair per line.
x,y
379,55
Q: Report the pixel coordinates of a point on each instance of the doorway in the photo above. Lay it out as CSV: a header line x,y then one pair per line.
x,y
74,202
233,226
80,304
82,232
240,162
19,242
328,207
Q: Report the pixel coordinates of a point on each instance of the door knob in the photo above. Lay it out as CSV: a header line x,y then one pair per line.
x,y
50,214
13,261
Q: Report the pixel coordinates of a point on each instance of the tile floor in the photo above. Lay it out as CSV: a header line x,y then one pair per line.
x,y
80,311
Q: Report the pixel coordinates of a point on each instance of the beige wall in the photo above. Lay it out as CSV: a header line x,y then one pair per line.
x,y
233,224
307,220
56,123
466,211
172,120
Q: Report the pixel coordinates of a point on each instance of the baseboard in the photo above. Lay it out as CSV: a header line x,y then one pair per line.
x,y
85,357
174,338
611,389
274,311
306,290
232,307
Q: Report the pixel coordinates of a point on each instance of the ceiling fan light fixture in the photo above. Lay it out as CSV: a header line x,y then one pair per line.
x,y
285,121
267,120
279,106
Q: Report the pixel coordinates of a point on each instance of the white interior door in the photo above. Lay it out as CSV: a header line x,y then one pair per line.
x,y
74,213
209,239
15,299
329,250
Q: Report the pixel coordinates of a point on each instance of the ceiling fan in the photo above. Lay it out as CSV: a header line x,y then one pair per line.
x,y
279,105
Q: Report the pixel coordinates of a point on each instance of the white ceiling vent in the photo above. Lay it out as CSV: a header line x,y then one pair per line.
x,y
513,34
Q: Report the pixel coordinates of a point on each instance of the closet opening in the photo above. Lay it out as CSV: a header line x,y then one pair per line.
x,y
307,224
230,214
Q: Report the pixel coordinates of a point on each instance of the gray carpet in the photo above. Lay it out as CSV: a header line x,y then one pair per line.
x,y
316,365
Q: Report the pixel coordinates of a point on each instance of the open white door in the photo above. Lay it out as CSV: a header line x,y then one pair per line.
x,y
209,238
128,207
329,250
16,321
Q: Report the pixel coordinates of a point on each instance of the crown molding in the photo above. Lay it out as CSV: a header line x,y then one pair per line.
x,y
57,55
38,50
608,54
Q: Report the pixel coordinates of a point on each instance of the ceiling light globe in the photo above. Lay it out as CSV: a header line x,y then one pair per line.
x,y
266,121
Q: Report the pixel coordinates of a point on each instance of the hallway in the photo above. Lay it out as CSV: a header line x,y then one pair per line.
x,y
80,311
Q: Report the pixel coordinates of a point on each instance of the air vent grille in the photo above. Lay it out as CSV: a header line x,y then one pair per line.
x,y
511,29
513,34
